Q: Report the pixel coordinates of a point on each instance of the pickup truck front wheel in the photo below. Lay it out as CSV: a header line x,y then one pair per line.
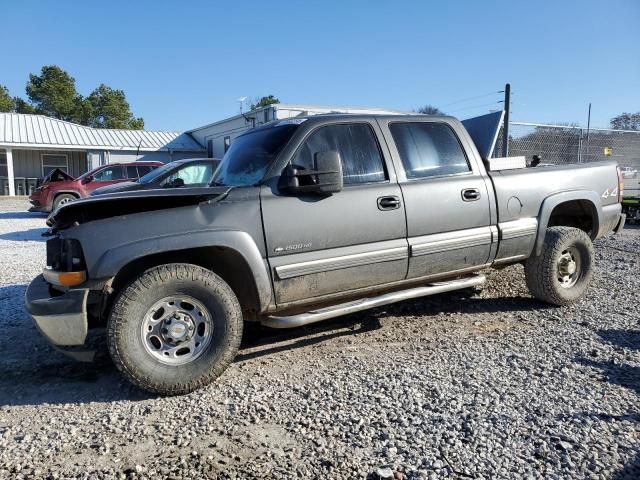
x,y
562,273
174,329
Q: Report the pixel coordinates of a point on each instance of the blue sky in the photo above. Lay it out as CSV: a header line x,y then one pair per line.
x,y
184,64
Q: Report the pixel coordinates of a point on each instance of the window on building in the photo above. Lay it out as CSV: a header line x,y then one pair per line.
x,y
266,115
109,173
227,144
209,148
132,172
3,165
428,149
52,161
358,148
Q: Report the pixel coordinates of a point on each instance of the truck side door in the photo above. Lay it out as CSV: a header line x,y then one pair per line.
x,y
356,238
446,198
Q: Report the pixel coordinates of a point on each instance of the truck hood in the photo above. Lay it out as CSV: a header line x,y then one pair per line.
x,y
118,204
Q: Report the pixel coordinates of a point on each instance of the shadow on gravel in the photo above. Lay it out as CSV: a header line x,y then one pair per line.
x,y
33,373
624,375
31,235
18,215
462,301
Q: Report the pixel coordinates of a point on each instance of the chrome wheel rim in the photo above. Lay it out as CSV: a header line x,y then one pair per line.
x,y
177,330
63,201
569,267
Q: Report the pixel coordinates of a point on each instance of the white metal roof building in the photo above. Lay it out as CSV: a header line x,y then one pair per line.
x,y
32,145
217,136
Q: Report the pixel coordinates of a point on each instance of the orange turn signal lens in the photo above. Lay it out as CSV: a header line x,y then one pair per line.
x,y
65,279
69,279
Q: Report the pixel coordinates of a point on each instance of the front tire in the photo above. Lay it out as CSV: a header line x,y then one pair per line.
x,y
174,329
563,271
63,199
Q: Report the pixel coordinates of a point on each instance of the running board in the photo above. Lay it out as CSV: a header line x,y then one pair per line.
x,y
363,304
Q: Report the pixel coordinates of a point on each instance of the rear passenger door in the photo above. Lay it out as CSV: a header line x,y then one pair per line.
x,y
446,199
353,239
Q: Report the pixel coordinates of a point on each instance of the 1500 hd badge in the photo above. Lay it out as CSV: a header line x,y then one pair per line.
x,y
294,247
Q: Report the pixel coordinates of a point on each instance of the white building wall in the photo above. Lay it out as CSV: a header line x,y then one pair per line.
x,y
234,126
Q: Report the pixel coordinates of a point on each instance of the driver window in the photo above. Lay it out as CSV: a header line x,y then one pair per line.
x,y
111,173
358,148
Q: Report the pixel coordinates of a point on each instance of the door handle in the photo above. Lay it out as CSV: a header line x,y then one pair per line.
x,y
388,203
470,194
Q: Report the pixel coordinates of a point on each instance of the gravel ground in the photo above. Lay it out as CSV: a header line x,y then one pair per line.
x,y
480,384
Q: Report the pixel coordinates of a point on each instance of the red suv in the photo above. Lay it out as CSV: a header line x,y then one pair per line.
x,y
59,187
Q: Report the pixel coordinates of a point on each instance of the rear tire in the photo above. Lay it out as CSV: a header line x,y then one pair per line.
x,y
62,199
561,274
174,329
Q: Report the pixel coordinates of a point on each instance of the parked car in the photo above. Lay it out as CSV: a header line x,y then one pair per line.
x,y
59,187
307,219
193,172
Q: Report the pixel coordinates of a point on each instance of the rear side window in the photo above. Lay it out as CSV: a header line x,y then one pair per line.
x,y
358,148
144,169
132,172
428,149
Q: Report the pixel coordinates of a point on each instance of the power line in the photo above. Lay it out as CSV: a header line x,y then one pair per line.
x,y
470,98
475,106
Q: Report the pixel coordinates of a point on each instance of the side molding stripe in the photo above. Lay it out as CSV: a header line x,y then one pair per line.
x,y
523,227
337,263
442,242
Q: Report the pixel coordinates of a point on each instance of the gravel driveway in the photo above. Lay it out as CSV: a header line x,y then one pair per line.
x,y
474,384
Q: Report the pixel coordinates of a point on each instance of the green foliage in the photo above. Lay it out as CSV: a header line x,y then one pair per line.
x,y
53,93
23,107
7,104
264,102
429,110
626,121
108,108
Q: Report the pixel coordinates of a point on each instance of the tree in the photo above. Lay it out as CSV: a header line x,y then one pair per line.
x,y
22,106
264,102
626,121
106,107
430,110
7,104
53,93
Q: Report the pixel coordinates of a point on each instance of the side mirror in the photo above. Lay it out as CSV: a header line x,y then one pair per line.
x,y
326,178
87,179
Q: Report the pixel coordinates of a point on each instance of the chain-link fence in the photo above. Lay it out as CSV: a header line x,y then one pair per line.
x,y
560,144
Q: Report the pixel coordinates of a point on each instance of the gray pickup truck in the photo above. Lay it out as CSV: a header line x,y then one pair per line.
x,y
307,219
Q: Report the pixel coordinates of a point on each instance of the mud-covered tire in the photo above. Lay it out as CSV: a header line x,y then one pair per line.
x,y
130,350
543,272
62,199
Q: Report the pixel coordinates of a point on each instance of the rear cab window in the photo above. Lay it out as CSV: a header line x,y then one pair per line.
x,y
429,149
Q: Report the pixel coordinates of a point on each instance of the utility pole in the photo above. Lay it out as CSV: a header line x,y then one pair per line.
x,y
588,132
505,127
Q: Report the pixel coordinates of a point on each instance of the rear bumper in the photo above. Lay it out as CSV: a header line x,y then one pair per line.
x,y
62,318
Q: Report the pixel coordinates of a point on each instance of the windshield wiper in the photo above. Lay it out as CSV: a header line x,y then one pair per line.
x,y
217,184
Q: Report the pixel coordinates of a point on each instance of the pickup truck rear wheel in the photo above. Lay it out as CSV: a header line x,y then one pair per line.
x,y
174,329
562,273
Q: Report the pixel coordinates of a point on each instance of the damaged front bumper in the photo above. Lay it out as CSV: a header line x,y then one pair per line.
x,y
60,316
